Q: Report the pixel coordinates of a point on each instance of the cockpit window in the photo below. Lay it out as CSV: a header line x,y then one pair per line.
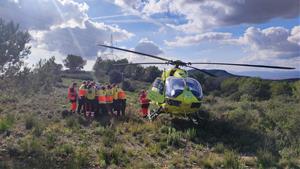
x,y
174,86
194,86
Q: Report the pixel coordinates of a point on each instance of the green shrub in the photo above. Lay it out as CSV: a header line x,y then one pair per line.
x,y
191,134
6,122
99,130
231,160
229,86
219,148
266,159
51,139
38,129
66,149
30,144
30,121
116,155
255,88
281,88
82,157
174,137
211,161
72,122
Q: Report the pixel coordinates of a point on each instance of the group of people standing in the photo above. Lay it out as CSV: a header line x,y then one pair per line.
x,y
94,99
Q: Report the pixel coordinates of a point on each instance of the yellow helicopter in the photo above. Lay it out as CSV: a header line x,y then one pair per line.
x,y
175,92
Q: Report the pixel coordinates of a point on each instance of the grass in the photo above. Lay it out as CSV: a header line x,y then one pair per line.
x,y
238,134
6,123
231,160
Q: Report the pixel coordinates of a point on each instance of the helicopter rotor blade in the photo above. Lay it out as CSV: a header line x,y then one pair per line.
x,y
135,52
203,71
148,63
239,64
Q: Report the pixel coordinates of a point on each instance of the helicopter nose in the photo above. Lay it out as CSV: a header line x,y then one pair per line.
x,y
188,97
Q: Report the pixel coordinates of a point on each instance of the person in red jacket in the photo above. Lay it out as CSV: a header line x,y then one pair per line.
x,y
72,96
145,103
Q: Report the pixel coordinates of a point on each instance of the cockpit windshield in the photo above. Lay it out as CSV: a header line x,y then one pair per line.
x,y
175,86
194,86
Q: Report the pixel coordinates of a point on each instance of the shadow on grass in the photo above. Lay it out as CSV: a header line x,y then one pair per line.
x,y
240,139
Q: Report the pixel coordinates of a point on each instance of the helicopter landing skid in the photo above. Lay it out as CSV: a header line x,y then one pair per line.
x,y
153,114
199,118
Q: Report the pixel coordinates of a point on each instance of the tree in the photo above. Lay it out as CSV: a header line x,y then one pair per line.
x,y
151,73
74,62
255,89
281,88
13,46
46,74
115,77
229,86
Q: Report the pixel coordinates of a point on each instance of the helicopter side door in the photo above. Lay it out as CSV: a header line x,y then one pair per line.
x,y
156,93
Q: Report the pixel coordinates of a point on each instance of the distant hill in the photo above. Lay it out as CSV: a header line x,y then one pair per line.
x,y
216,72
274,75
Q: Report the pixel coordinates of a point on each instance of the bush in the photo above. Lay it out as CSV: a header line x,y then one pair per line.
x,y
174,137
265,159
191,134
38,129
51,139
219,148
117,155
30,121
82,157
231,160
126,85
281,88
229,86
31,145
255,89
72,122
6,123
115,77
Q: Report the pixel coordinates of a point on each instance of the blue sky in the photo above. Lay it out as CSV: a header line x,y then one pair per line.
x,y
246,31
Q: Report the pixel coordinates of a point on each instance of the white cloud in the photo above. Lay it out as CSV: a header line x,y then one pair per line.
x,y
273,42
295,35
42,14
202,15
79,41
61,25
196,39
148,47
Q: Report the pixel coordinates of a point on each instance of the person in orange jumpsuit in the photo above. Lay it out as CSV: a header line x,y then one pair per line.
x,y
121,101
72,96
81,99
145,103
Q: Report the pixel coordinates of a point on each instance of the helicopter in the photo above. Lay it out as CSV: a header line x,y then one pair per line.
x,y
175,92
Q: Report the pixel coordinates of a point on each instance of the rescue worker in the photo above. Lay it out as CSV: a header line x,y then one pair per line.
x,y
97,110
116,106
72,96
102,99
145,103
109,99
95,101
81,100
90,97
122,101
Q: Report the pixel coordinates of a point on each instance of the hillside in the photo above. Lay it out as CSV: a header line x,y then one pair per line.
x,y
36,132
